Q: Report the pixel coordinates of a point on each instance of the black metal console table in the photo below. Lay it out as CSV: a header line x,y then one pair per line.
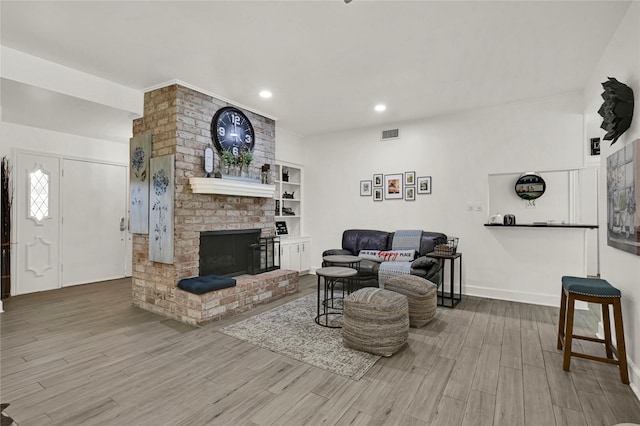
x,y
451,298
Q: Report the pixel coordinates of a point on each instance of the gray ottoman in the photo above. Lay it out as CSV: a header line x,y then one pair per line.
x,y
375,321
422,295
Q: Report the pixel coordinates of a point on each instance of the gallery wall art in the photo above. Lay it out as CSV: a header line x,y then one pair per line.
x,y
623,197
139,154
161,209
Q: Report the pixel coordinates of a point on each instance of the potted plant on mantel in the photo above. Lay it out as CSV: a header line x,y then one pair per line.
x,y
246,157
229,160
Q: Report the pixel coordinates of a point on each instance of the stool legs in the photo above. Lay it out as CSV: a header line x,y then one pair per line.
x,y
622,351
561,320
566,336
606,322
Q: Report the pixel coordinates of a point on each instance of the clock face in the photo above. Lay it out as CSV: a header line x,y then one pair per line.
x,y
232,131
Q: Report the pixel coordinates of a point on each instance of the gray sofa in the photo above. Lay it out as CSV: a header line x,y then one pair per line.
x,y
354,240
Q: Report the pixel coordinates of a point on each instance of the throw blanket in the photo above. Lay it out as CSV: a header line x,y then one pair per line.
x,y
402,240
407,240
389,270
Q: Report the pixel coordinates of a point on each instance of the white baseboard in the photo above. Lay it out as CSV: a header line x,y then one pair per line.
x,y
634,371
519,296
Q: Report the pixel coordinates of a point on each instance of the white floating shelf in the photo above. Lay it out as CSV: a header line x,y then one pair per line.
x,y
231,187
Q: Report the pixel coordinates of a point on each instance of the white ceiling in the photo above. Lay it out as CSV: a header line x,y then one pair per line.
x,y
327,63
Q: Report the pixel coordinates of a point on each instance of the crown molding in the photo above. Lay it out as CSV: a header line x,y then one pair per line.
x,y
209,93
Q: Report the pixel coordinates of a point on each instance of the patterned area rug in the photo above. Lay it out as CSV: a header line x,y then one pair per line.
x,y
290,330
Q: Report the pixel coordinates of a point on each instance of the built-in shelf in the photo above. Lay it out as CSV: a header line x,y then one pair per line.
x,y
543,225
231,187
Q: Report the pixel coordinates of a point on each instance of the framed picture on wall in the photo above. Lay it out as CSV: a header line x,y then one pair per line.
x,y
409,178
377,194
410,193
377,180
365,188
393,187
424,185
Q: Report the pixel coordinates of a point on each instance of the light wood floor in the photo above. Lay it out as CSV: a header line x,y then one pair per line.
x,y
84,355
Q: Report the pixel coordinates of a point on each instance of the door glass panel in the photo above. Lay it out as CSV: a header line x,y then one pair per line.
x,y
39,195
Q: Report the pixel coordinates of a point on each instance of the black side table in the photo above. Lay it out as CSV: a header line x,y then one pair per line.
x,y
450,297
328,306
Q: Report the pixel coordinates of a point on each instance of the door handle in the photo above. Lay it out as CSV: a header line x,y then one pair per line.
x,y
122,224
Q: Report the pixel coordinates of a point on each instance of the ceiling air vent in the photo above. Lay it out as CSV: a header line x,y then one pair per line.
x,y
390,134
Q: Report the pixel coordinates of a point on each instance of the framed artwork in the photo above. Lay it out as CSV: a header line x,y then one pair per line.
x,y
377,194
139,154
161,209
281,228
623,198
365,188
409,178
424,185
377,180
393,187
410,193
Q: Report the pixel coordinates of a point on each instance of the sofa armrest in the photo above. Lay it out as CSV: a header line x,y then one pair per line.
x,y
424,262
332,252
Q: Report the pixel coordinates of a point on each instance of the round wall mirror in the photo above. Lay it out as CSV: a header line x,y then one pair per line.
x,y
530,186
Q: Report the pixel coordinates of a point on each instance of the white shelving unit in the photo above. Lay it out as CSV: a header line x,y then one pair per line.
x,y
295,248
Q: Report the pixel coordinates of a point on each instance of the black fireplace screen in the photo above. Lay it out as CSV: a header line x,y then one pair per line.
x,y
238,252
264,256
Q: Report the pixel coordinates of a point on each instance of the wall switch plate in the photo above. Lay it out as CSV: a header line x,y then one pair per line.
x,y
469,207
478,207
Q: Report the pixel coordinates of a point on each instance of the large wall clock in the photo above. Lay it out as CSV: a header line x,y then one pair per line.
x,y
232,131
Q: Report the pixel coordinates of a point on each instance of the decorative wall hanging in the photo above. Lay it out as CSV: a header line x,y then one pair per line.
x,y
410,193
139,154
530,186
377,180
409,178
365,188
393,187
616,110
424,185
623,197
161,209
377,194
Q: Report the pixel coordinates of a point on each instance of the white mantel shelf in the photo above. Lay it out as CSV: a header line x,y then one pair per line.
x,y
231,187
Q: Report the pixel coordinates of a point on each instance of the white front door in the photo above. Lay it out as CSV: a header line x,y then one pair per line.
x,y
94,231
38,223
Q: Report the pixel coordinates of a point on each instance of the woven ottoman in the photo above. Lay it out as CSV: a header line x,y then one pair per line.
x,y
375,321
422,295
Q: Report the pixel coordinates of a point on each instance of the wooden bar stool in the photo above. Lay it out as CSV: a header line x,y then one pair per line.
x,y
592,290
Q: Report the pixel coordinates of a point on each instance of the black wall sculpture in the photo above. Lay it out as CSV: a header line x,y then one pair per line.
x,y
617,109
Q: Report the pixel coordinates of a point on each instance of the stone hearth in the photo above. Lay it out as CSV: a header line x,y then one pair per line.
x,y
179,119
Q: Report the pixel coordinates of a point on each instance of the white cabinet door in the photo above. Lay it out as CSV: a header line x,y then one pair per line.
x,y
305,255
284,256
294,257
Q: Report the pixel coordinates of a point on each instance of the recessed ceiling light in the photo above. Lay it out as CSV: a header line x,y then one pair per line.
x,y
266,94
380,107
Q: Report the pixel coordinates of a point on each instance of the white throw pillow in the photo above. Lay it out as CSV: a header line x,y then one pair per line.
x,y
388,256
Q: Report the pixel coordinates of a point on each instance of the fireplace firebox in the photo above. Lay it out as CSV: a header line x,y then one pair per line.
x,y
226,252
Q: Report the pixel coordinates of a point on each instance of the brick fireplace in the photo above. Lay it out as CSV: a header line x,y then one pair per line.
x,y
179,119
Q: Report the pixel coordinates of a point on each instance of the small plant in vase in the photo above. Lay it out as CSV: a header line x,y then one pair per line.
x,y
246,157
229,160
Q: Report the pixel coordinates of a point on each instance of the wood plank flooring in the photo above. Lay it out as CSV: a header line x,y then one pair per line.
x,y
85,356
